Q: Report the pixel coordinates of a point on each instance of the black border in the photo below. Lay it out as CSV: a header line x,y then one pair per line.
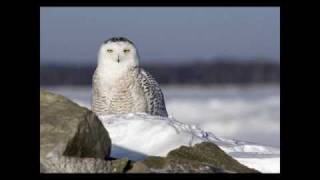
x,y
160,3
95,3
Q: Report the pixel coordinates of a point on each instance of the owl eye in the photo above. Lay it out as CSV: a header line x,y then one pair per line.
x,y
126,50
109,50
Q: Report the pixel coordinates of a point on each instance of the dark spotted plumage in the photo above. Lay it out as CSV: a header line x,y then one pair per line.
x,y
118,39
153,94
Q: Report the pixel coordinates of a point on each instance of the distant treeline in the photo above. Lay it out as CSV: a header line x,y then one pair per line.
x,y
229,72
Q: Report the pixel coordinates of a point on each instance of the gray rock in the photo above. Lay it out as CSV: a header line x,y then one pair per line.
x,y
157,164
210,153
70,137
205,157
65,164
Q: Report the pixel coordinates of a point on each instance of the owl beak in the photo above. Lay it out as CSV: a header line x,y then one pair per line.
x,y
118,60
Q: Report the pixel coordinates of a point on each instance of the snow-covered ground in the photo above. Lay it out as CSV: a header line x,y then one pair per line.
x,y
217,114
137,135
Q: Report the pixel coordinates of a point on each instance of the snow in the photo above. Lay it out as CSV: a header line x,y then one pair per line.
x,y
216,114
137,135
266,165
250,113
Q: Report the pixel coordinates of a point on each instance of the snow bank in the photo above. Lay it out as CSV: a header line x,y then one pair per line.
x,y
137,135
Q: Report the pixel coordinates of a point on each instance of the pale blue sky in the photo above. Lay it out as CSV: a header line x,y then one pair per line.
x,y
74,34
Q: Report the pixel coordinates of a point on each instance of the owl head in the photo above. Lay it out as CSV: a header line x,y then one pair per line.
x,y
118,53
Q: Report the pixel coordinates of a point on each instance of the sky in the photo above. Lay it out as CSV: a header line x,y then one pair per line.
x,y
161,34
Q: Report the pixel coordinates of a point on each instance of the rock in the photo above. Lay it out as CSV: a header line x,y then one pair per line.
x,y
119,165
167,165
68,131
42,168
65,164
138,167
155,162
205,157
210,153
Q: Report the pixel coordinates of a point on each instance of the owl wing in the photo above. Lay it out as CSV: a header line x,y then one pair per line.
x,y
153,94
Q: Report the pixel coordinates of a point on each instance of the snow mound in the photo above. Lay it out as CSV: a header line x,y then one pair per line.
x,y
137,135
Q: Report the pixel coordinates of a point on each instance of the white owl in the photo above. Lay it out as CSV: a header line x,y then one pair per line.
x,y
120,86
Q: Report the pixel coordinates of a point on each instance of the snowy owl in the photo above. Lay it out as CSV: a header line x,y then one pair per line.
x,y
120,86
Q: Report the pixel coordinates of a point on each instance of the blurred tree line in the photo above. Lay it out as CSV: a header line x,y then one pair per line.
x,y
223,72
